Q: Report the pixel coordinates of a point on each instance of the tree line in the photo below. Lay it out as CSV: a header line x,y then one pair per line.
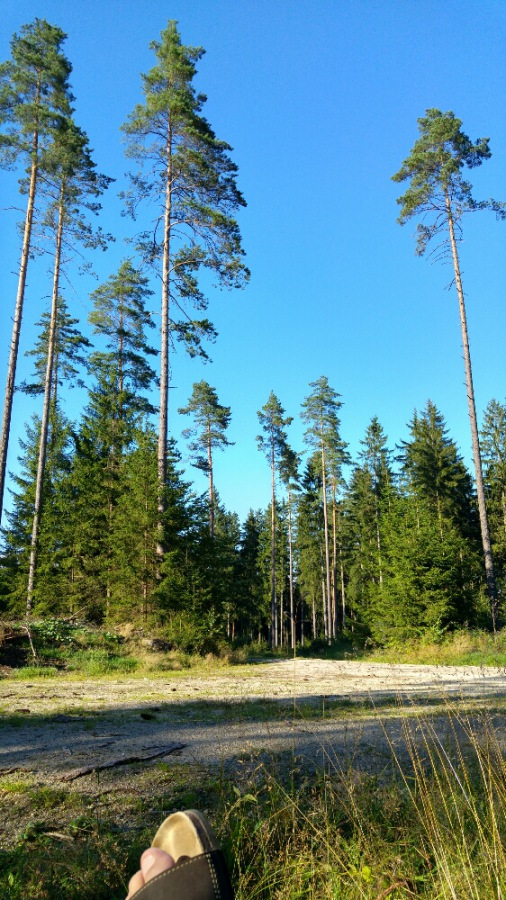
x,y
104,524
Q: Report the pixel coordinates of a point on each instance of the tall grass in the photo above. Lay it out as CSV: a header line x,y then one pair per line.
x,y
432,825
458,648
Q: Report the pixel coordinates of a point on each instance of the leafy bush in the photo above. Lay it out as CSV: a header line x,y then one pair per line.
x,y
54,632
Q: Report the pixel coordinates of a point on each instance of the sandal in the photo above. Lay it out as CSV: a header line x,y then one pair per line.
x,y
200,872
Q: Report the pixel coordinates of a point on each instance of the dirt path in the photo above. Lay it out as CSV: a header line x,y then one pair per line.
x,y
59,727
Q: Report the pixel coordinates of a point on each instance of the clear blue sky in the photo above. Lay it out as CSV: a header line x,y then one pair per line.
x,y
319,101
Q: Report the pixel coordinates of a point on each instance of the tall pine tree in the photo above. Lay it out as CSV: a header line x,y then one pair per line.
x,y
438,190
186,171
35,98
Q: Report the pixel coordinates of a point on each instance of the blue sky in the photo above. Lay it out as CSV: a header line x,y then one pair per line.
x,y
319,101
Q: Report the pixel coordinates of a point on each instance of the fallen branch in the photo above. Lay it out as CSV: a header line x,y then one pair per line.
x,y
60,837
122,761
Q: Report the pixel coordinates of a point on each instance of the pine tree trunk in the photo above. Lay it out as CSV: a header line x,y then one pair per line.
x,y
327,550
334,561
274,636
41,462
325,612
290,578
211,482
18,315
341,576
164,358
480,490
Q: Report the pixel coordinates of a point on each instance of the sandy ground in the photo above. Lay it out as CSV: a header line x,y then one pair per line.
x,y
59,727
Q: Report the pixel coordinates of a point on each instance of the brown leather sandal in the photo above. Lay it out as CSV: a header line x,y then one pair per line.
x,y
200,872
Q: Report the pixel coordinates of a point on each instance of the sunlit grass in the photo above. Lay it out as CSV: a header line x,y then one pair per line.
x,y
460,648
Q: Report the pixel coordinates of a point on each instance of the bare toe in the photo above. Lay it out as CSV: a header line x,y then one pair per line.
x,y
153,863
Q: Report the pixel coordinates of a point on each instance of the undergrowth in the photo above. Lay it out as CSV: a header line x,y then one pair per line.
x,y
91,651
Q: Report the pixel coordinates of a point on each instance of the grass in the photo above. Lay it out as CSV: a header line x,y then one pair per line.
x,y
431,822
26,673
432,825
460,648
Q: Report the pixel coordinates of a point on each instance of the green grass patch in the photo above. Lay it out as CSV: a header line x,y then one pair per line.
x,y
95,662
26,673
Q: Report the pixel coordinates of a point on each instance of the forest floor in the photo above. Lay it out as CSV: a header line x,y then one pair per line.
x,y
100,737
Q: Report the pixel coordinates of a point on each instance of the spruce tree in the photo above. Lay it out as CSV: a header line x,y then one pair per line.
x,y
367,501
435,470
310,545
211,422
53,592
187,173
120,316
249,612
70,354
430,581
133,535
69,361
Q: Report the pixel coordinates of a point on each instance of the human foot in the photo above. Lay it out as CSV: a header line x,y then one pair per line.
x,y
153,863
184,861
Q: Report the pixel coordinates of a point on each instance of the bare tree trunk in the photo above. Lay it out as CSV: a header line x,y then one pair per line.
x,y
41,462
274,635
290,574
480,490
343,592
327,550
211,481
164,357
325,612
18,315
334,561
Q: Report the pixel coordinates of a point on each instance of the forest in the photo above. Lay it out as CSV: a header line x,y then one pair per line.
x,y
104,523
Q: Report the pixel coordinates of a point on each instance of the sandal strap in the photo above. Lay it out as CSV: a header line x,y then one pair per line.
x,y
203,877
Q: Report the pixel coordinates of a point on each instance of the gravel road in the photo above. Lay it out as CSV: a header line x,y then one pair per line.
x,y
60,727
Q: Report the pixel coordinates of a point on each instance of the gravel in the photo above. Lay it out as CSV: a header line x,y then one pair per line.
x,y
62,725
